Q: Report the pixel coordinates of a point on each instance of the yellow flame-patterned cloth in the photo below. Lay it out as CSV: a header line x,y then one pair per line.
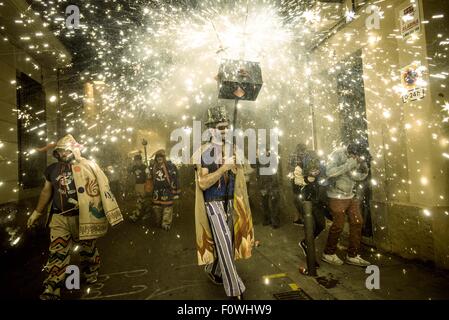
x,y
243,222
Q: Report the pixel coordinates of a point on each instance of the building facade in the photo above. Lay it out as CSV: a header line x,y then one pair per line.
x,y
31,60
384,82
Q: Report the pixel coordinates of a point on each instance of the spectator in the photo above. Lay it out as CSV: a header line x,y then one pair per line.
x,y
310,178
268,186
294,161
345,168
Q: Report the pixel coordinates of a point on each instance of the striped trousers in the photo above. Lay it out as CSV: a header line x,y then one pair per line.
x,y
222,226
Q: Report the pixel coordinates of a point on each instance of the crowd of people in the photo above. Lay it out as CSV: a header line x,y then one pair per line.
x,y
84,197
322,189
155,187
329,189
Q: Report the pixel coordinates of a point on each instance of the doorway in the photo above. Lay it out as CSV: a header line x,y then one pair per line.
x,y
31,121
354,127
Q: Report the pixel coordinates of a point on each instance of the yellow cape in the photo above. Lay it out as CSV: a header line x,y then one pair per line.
x,y
243,222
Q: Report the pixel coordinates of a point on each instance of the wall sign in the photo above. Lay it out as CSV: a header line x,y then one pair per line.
x,y
410,21
412,82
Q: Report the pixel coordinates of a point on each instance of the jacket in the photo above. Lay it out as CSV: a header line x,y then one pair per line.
x,y
343,173
309,176
97,205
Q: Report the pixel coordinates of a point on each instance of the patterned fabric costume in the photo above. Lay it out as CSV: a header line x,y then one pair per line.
x,y
165,180
63,236
93,207
224,235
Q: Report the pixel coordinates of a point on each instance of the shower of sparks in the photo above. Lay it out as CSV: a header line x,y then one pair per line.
x,y
153,63
154,60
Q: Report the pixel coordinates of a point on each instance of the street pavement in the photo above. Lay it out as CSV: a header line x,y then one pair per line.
x,y
141,261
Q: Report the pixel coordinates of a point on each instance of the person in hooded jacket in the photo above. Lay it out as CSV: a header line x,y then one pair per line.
x,y
82,204
165,179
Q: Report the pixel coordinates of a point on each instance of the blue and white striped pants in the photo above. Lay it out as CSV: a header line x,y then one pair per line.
x,y
222,226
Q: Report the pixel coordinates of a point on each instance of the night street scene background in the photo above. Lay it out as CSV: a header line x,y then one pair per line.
x,y
103,103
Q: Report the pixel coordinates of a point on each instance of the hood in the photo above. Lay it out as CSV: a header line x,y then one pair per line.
x,y
67,142
160,153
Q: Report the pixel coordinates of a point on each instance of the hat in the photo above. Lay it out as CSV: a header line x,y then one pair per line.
x,y
301,148
356,149
216,115
160,153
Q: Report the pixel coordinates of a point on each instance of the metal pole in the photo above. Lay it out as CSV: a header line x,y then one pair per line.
x,y
307,205
310,239
145,143
146,157
234,122
59,111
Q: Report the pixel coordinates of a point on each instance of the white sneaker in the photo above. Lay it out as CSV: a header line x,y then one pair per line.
x,y
357,261
332,259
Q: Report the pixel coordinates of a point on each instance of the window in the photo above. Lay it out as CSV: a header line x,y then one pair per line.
x,y
31,122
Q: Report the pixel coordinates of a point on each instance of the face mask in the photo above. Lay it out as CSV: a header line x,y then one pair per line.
x,y
69,158
66,159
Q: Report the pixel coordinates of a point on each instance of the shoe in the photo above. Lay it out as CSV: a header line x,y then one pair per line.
x,y
357,261
50,294
303,246
166,227
332,259
91,279
239,297
215,279
299,222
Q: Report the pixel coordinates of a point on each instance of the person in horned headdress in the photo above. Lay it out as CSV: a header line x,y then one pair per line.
x,y
224,227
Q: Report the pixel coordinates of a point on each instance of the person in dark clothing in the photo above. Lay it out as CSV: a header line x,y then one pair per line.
x,y
309,176
165,177
268,186
294,161
138,171
113,175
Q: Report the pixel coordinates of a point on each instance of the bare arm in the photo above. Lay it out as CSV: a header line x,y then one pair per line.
x,y
206,179
44,197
